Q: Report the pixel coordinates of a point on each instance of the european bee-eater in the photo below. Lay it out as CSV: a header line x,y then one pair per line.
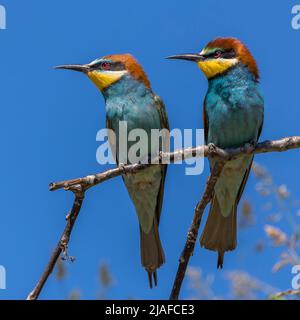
x,y
233,116
129,97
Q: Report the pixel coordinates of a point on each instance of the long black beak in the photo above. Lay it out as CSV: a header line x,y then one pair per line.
x,y
85,68
195,57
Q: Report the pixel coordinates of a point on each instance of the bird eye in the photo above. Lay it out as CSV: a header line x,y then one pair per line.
x,y
105,65
217,54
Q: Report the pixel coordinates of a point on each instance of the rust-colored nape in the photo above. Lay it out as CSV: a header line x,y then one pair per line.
x,y
243,53
133,67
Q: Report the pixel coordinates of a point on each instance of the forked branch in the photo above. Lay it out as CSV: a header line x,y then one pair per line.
x,y
80,185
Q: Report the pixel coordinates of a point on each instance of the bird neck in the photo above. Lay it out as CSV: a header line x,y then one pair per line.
x,y
238,75
126,87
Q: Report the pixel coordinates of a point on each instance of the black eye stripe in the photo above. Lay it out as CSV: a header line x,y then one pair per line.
x,y
114,66
118,66
97,65
228,54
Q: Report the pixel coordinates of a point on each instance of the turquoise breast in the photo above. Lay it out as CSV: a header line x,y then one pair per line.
x,y
129,100
234,108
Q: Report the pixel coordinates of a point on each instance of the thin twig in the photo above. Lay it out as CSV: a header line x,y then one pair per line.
x,y
62,246
285,294
194,229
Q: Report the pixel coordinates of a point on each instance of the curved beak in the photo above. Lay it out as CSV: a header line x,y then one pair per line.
x,y
85,68
195,57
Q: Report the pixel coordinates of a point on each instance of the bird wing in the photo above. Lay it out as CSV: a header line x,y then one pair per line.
x,y
205,126
112,145
205,122
160,106
246,176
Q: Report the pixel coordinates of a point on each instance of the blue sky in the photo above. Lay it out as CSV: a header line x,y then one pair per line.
x,y
49,121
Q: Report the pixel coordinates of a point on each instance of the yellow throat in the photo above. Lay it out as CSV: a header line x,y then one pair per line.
x,y
103,79
213,67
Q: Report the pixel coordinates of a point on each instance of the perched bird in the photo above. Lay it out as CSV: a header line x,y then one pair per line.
x,y
129,97
233,116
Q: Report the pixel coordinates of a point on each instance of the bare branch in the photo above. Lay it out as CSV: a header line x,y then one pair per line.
x,y
283,294
62,246
80,185
206,151
194,229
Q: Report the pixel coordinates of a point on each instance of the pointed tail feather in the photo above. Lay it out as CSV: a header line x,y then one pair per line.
x,y
220,260
152,254
152,275
219,233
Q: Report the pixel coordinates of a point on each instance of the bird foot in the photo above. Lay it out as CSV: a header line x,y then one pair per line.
x,y
122,167
212,148
250,146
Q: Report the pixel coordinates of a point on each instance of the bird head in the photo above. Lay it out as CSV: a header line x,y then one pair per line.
x,y
108,70
220,55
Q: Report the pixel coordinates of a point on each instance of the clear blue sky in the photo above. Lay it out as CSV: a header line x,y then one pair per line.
x,y
49,121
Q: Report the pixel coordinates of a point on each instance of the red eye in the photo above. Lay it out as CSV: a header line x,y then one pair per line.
x,y
105,65
217,54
